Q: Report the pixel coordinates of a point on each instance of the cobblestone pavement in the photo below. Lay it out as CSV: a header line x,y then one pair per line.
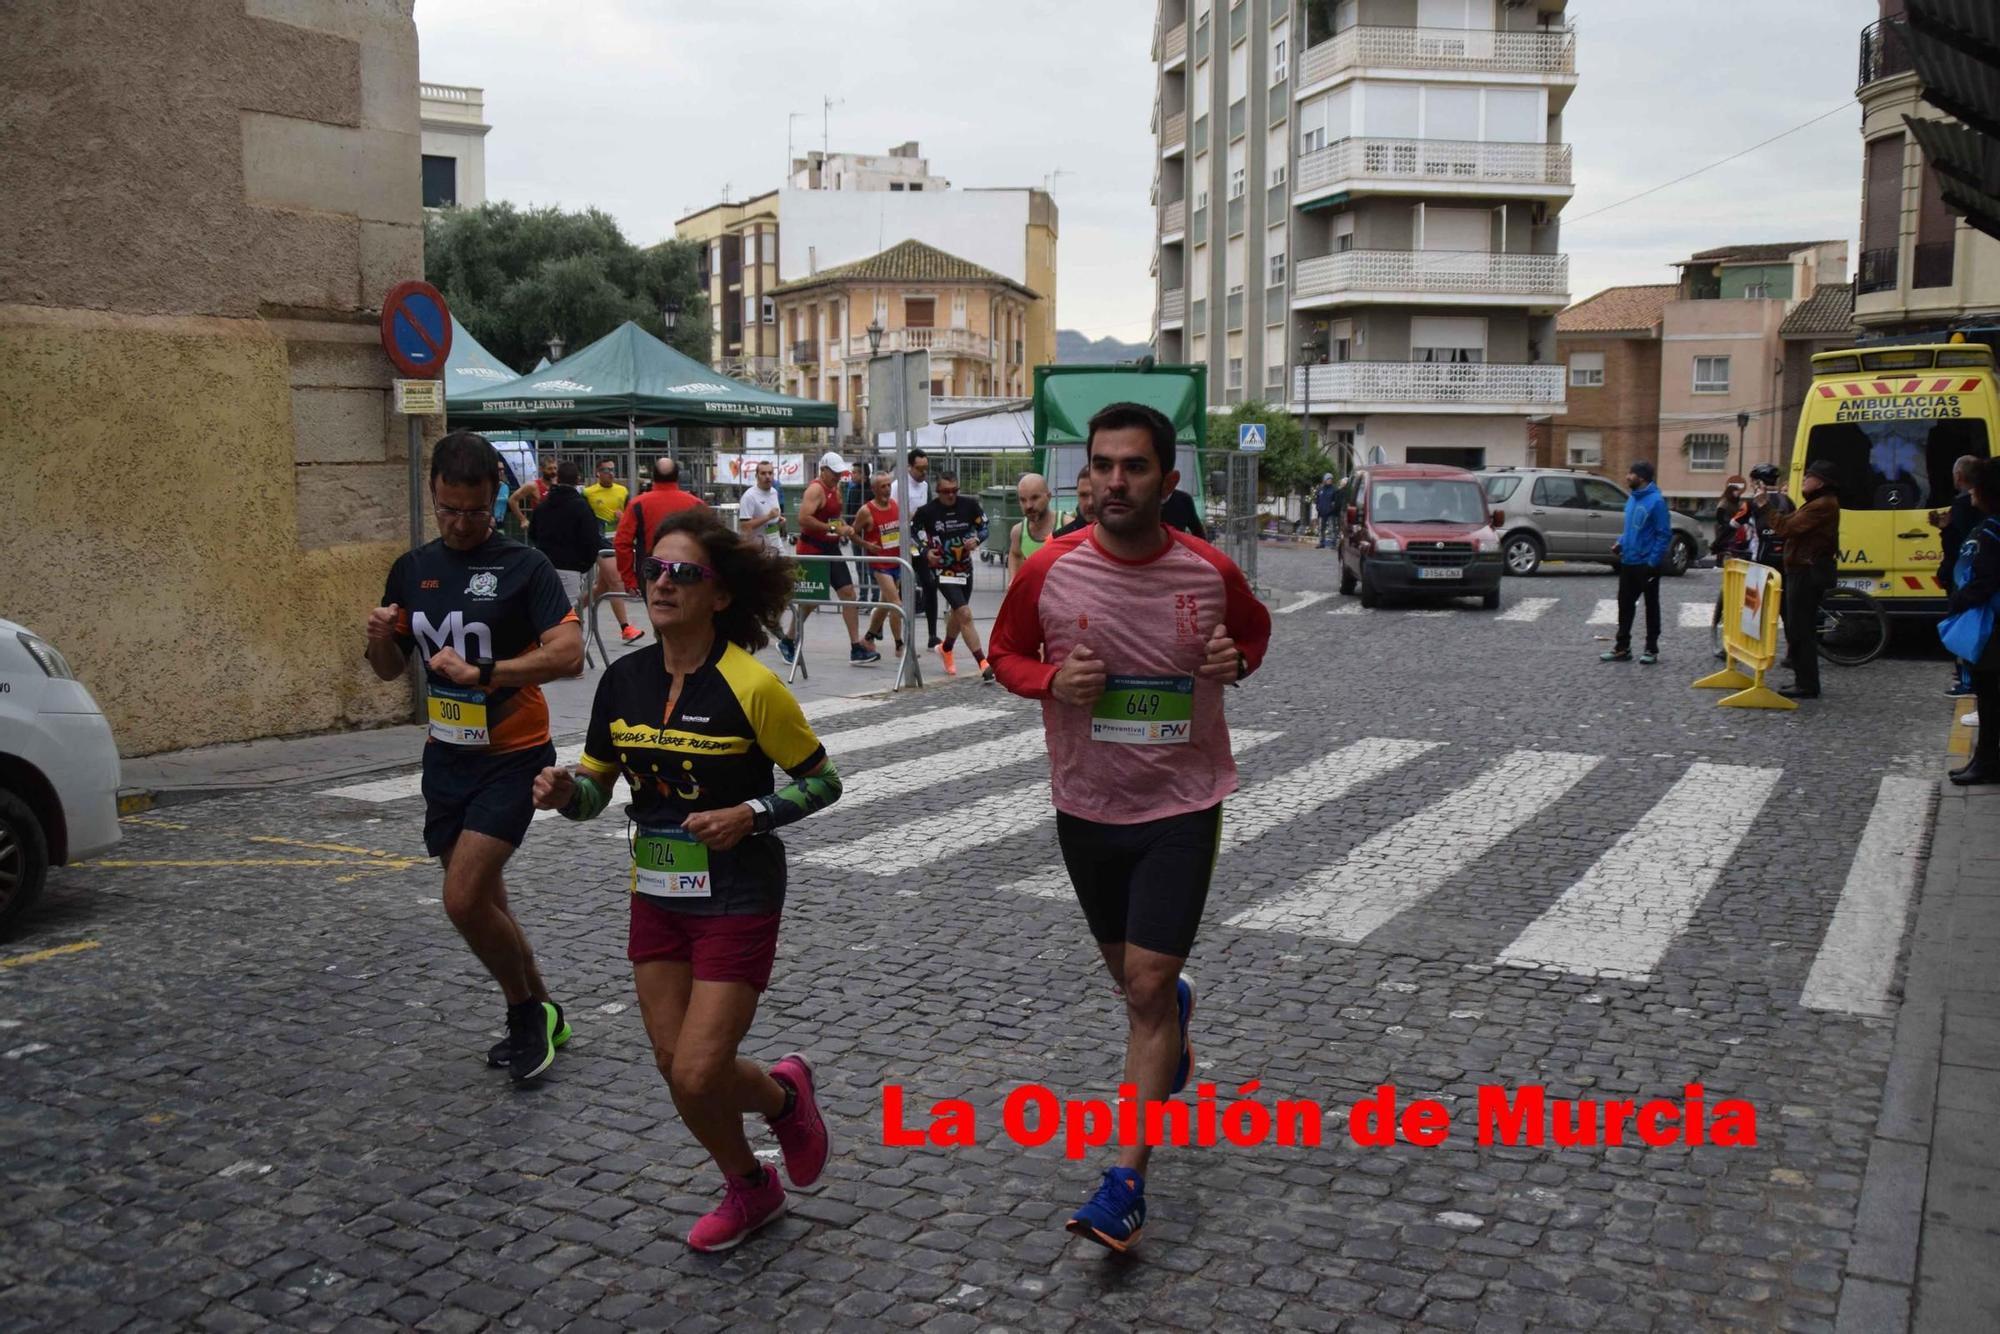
x,y
255,1091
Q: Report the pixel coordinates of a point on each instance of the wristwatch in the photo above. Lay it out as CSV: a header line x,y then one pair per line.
x,y
486,671
1242,668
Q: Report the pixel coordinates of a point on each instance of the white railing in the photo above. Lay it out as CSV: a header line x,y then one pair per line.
x,y
1451,272
1173,218
450,92
1429,382
1174,45
1459,160
956,342
1176,130
1173,305
1541,51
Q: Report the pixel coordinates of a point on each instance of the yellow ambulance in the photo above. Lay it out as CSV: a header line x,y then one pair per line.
x,y
1893,420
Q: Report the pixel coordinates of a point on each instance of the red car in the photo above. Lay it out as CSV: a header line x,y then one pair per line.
x,y
1419,530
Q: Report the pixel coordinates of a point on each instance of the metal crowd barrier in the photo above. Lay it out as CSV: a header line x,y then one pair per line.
x,y
909,671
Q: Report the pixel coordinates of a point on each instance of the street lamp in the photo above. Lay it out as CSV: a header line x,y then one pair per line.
x,y
555,347
875,332
670,315
1742,424
1306,350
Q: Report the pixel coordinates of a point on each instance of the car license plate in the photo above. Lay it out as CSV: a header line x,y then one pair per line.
x,y
1440,572
1864,583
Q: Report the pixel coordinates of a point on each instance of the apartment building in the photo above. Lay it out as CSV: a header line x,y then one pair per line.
x,y
972,320
902,168
452,121
739,252
1921,267
1357,204
1610,349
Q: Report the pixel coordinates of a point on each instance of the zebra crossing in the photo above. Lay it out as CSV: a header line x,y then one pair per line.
x,y
1687,614
1619,918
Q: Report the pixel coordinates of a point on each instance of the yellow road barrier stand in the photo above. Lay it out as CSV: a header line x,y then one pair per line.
x,y
1751,597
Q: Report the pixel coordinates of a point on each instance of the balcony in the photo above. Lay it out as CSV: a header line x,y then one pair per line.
x,y
1442,165
1173,218
1173,307
1457,277
1442,387
1542,52
944,342
1876,271
1173,46
1885,52
805,352
1173,138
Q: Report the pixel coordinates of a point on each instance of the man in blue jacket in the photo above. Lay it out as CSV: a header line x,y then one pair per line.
x,y
1326,501
1640,550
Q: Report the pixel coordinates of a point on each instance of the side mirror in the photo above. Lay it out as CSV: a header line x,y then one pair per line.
x,y
1499,517
1353,515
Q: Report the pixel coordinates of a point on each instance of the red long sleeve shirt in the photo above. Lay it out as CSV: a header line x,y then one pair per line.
x,y
656,504
1145,619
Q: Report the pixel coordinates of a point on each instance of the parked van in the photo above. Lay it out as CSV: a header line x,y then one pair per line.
x,y
1892,420
1419,530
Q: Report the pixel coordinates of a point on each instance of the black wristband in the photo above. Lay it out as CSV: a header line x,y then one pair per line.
x,y
486,671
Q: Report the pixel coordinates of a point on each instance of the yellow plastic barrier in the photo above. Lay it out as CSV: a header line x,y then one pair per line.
x,y
1752,596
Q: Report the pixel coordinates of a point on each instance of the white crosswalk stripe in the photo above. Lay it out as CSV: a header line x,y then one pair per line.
x,y
1856,962
895,731
1265,805
1604,613
1408,862
1306,601
1527,609
951,833
907,776
1697,615
1347,608
1619,919
819,710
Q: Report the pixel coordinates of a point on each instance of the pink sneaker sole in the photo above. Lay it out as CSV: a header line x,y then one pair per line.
x,y
710,1244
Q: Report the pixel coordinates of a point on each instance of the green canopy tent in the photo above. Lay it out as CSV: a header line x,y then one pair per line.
x,y
471,367
630,379
1067,397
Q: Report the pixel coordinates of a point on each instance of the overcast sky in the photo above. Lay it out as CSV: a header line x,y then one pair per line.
x,y
649,108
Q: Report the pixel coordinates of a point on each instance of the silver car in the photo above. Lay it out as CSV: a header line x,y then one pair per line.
x,y
1569,514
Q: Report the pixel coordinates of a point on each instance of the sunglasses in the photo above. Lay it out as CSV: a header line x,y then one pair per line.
x,y
684,572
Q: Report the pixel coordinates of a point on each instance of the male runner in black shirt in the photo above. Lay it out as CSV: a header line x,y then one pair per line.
x,y
492,622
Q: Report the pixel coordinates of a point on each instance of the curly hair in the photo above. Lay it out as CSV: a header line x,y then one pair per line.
x,y
759,582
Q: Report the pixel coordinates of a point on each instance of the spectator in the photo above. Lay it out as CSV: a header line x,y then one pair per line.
x,y
1734,529
1640,550
525,500
1811,537
1326,503
1177,511
1979,586
564,529
1955,527
760,513
637,524
1086,505
1767,546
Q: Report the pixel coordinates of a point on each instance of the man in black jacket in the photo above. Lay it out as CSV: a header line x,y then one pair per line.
x,y
1954,526
1982,589
563,528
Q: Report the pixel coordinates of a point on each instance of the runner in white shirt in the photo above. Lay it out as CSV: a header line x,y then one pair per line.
x,y
919,482
761,513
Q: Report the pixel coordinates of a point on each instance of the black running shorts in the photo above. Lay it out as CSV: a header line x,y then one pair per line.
x,y
466,788
1147,883
955,595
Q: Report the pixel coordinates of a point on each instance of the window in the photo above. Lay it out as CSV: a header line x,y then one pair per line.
x,y
1558,493
1276,146
1756,291
1447,338
896,186
768,243
769,312
958,310
1236,372
1236,182
1499,488
1278,268
440,181
1232,264
1599,494
1280,55
749,310
919,312
1586,371
1586,449
1239,66
1711,375
1708,453
1896,465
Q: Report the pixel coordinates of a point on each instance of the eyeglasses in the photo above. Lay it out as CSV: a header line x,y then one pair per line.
x,y
447,512
684,572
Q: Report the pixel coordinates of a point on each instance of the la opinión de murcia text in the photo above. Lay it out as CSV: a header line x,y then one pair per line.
x,y
1033,1115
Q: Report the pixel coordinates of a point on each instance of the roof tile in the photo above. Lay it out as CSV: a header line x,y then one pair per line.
x,y
906,261
1828,311
1618,310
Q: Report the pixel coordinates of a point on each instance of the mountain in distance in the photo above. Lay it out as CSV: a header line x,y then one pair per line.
x,y
1073,349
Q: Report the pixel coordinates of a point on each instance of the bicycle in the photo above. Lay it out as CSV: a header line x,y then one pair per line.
x,y
1853,628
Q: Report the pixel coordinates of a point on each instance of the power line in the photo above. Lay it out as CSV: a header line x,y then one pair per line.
x,y
1571,222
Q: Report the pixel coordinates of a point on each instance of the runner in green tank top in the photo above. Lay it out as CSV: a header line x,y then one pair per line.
x,y
1037,522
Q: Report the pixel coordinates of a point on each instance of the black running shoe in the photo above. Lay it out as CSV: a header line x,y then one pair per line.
x,y
534,1030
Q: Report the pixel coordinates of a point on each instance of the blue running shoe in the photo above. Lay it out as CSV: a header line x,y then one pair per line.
x,y
787,649
1184,993
1116,1213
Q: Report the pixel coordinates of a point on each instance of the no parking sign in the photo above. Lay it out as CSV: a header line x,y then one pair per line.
x,y
416,329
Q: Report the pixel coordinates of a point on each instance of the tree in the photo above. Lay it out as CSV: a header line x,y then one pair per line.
x,y
1291,466
517,277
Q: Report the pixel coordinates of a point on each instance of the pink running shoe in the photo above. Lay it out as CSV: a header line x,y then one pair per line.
x,y
743,1210
802,1135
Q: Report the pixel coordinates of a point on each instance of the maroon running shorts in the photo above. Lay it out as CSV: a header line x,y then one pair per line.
x,y
737,947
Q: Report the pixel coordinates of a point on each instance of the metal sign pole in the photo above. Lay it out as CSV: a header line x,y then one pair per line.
x,y
417,489
631,457
909,671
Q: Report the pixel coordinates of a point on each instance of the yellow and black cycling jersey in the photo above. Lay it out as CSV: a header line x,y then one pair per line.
x,y
733,721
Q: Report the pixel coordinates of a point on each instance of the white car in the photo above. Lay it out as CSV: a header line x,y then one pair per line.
x,y
58,770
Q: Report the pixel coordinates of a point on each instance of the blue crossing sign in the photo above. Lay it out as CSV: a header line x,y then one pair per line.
x,y
1250,437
